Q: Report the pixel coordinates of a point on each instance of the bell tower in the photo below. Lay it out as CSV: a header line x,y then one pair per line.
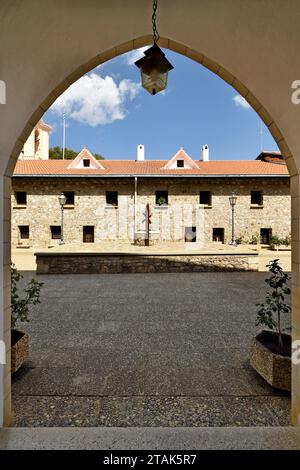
x,y
36,146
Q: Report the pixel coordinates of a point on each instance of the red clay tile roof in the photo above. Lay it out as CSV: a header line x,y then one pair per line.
x,y
151,167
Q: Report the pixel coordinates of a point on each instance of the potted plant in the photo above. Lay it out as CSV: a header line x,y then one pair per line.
x,y
271,350
287,242
20,307
277,243
162,201
240,240
254,239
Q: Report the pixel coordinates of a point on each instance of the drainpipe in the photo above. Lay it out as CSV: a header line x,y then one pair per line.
x,y
134,207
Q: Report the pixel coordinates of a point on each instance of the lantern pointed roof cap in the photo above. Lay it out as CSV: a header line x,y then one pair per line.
x,y
152,55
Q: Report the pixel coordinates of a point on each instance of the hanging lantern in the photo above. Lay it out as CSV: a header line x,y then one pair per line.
x,y
154,66
154,69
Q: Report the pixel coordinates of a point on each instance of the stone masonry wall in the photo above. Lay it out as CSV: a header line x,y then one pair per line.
x,y
79,263
168,223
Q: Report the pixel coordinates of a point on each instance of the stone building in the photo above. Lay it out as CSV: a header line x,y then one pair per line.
x,y
188,199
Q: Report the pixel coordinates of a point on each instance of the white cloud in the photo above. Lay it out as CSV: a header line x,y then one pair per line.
x,y
94,100
132,56
241,102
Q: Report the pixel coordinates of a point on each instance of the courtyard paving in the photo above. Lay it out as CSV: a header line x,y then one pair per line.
x,y
145,350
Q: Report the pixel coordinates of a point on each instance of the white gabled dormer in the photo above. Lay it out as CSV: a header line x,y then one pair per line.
x,y
84,161
181,161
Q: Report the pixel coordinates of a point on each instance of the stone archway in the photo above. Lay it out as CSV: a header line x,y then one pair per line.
x,y
236,37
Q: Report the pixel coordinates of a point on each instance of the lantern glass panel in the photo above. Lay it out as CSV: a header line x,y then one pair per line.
x,y
62,199
154,82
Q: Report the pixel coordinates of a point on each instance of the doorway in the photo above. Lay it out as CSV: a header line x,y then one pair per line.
x,y
218,235
88,234
265,235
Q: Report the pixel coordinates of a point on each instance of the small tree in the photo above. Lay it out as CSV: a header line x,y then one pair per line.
x,y
241,239
20,306
56,153
275,241
270,312
287,240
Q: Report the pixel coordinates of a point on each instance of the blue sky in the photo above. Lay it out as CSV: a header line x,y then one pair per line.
x,y
109,113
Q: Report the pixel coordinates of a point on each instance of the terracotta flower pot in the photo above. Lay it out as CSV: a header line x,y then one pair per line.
x,y
19,349
273,365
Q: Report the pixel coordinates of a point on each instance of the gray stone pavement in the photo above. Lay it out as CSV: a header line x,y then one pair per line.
x,y
215,438
145,350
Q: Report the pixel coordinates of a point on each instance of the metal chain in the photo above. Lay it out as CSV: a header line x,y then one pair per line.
x,y
155,32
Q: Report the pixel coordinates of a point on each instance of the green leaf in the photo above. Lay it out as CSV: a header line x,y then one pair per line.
x,y
20,306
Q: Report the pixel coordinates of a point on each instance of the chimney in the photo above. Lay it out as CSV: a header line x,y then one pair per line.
x,y
205,153
140,153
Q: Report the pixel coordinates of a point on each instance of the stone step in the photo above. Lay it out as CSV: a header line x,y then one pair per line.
x,y
227,438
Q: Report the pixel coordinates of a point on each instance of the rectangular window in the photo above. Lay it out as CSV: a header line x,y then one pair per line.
x,y
218,235
24,232
257,198
88,234
21,198
112,198
55,232
205,198
86,162
265,234
70,198
161,198
180,163
190,234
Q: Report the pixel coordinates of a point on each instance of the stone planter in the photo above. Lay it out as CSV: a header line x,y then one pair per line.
x,y
280,247
275,368
19,349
